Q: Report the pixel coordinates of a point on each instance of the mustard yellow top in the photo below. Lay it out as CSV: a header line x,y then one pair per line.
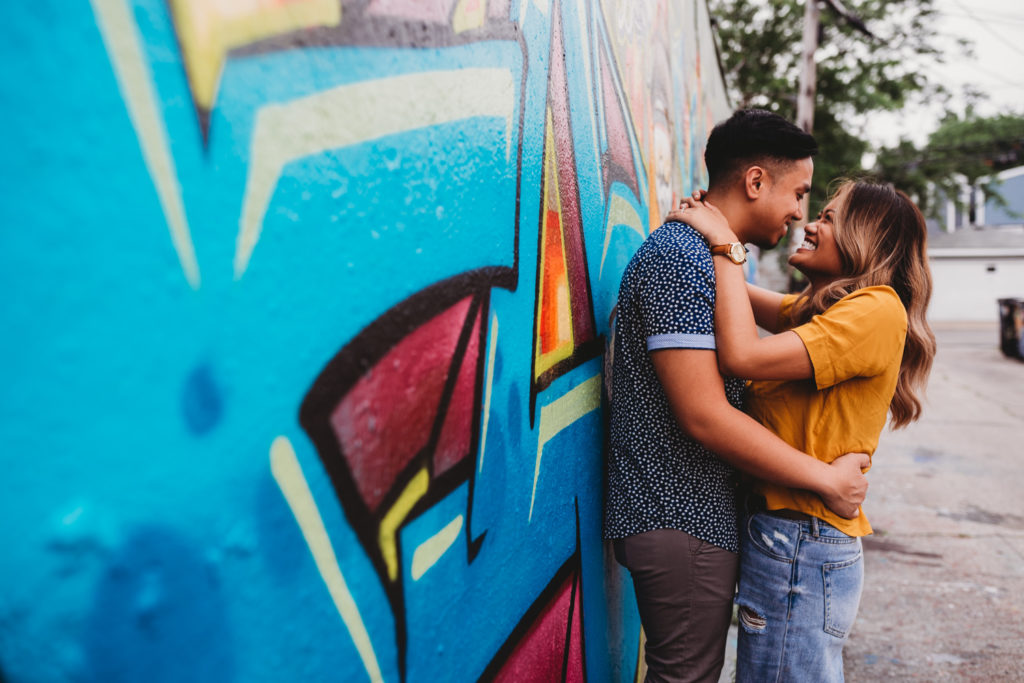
x,y
856,347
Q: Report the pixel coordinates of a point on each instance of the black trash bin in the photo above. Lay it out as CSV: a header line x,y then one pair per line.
x,y
1011,326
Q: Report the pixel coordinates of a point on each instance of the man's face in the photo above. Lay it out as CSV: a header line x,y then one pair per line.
x,y
781,201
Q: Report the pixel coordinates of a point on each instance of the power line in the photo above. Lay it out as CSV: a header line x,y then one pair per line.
x,y
988,28
989,12
940,70
984,17
994,74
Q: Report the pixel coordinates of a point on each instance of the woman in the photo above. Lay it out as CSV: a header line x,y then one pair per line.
x,y
859,332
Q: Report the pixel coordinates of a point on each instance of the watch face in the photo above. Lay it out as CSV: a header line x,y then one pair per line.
x,y
737,253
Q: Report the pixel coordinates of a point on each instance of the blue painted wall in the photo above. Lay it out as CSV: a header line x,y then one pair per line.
x,y
305,306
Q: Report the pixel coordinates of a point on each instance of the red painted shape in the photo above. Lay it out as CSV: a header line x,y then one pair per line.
x,y
568,188
386,418
540,654
575,672
454,442
553,279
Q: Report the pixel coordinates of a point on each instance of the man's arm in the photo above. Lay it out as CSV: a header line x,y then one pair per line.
x,y
696,395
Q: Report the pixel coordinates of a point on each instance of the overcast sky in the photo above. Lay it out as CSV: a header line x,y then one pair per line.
x,y
996,28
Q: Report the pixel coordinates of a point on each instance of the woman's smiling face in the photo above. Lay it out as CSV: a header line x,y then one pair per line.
x,y
817,257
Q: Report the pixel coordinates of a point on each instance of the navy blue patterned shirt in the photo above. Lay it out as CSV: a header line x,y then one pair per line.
x,y
658,477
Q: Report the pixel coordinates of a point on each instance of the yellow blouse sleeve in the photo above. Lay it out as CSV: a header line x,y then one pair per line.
x,y
860,335
784,321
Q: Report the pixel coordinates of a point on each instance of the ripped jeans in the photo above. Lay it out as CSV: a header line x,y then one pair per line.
x,y
799,589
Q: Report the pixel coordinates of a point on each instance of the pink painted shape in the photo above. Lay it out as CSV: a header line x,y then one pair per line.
x,y
498,9
539,655
615,124
433,11
453,444
386,418
568,188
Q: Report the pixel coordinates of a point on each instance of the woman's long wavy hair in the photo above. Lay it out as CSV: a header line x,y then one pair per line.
x,y
882,240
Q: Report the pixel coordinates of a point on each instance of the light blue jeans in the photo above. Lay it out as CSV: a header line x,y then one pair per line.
x,y
799,589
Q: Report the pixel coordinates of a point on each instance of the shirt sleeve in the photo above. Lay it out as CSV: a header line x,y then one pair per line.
x,y
677,303
785,320
858,336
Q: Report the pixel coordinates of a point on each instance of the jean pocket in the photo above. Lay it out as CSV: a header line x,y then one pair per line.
x,y
774,538
843,583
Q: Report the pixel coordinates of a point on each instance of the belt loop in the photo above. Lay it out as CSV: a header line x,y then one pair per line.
x,y
814,527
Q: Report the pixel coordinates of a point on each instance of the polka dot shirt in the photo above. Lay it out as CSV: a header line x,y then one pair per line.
x,y
657,477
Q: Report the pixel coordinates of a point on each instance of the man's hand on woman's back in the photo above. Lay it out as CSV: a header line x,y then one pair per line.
x,y
849,486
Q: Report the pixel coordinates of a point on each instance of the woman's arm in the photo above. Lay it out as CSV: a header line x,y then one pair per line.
x,y
766,304
741,352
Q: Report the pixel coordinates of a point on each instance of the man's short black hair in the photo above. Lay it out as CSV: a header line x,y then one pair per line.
x,y
754,136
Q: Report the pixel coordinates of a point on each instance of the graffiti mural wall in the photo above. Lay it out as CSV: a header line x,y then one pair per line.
x,y
305,309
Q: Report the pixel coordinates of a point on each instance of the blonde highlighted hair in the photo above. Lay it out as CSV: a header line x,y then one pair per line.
x,y
882,240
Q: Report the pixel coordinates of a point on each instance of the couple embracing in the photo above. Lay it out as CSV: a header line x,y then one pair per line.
x,y
740,457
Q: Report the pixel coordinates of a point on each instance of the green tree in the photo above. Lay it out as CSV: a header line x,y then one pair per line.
x,y
760,45
967,149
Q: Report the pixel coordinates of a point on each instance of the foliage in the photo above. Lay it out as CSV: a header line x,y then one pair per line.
x,y
760,44
964,149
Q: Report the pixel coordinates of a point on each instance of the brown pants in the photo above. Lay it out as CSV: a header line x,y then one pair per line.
x,y
684,589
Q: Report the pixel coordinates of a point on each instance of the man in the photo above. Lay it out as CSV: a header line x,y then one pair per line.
x,y
677,432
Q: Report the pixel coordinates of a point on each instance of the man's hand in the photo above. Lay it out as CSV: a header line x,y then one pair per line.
x,y
848,485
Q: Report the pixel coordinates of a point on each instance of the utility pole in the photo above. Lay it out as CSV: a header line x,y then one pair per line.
x,y
808,84
808,72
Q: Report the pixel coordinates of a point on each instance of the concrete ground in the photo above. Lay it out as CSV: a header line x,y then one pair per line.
x,y
944,572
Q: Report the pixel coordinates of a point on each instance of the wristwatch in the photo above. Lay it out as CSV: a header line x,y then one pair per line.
x,y
734,250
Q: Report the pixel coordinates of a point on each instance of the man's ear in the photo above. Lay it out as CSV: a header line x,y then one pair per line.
x,y
754,181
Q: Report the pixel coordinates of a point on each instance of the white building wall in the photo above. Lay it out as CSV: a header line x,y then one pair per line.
x,y
967,287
